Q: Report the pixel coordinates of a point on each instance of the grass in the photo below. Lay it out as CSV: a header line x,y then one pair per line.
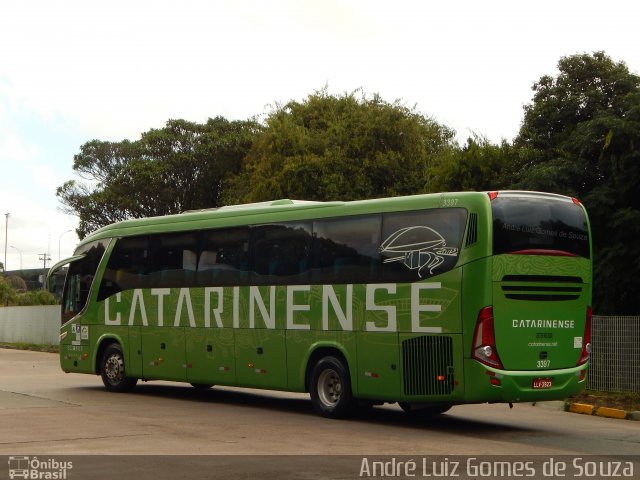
x,y
627,401
31,346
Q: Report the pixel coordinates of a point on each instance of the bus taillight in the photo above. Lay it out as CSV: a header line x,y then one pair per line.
x,y
484,340
586,340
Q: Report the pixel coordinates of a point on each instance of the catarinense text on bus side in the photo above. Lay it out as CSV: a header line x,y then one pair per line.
x,y
257,307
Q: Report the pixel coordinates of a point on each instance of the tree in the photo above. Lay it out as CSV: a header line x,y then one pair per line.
x,y
339,147
478,165
179,167
7,293
10,296
581,136
17,283
35,297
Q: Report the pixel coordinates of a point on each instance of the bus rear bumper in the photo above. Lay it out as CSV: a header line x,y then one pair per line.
x,y
486,384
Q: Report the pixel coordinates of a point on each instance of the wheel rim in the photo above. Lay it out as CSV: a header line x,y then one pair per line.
x,y
114,368
329,387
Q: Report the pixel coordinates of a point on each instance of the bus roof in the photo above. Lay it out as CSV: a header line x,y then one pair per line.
x,y
285,210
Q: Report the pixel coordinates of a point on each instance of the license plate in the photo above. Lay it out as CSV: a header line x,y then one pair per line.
x,y
542,383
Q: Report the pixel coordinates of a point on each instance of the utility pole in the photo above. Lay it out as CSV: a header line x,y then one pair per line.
x,y
45,258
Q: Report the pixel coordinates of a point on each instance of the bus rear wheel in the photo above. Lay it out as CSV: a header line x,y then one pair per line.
x,y
112,370
330,388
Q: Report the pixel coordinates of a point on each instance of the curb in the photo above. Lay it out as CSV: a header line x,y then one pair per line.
x,y
583,408
611,412
587,409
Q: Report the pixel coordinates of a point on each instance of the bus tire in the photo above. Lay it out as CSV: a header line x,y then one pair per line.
x,y
112,370
330,388
424,411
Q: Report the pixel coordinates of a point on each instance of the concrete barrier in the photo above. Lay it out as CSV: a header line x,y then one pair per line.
x,y
38,324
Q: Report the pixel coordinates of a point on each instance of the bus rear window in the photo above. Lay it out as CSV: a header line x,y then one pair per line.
x,y
537,224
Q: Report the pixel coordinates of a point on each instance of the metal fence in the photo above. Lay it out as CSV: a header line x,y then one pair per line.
x,y
37,324
615,354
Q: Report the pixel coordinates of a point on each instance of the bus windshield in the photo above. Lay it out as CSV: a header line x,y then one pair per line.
x,y
543,225
79,279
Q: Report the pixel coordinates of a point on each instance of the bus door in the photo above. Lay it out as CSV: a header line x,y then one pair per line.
x,y
76,323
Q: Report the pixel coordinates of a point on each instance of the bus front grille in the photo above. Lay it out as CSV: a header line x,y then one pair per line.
x,y
427,363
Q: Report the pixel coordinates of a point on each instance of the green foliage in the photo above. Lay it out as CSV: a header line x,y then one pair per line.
x,y
477,166
179,167
35,297
16,282
7,293
9,296
580,137
341,147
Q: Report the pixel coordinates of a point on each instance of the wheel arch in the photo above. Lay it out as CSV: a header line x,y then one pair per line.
x,y
101,346
325,350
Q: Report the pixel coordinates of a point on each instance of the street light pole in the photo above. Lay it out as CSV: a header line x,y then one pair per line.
x,y
6,237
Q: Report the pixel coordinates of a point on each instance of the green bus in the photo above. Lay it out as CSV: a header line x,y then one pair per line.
x,y
428,300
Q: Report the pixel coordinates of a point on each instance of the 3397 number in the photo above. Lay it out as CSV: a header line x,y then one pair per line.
x,y
449,202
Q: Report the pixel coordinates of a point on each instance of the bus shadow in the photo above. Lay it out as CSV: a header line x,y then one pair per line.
x,y
379,415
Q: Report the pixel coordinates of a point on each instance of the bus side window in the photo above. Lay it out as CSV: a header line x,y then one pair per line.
x,y
127,267
223,257
281,253
420,244
345,250
172,260
189,260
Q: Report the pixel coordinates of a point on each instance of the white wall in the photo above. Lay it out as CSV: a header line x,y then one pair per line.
x,y
39,324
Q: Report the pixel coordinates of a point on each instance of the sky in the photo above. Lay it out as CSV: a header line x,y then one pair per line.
x,y
73,71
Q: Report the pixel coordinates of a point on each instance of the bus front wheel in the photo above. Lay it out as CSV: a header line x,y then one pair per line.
x,y
330,388
113,372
